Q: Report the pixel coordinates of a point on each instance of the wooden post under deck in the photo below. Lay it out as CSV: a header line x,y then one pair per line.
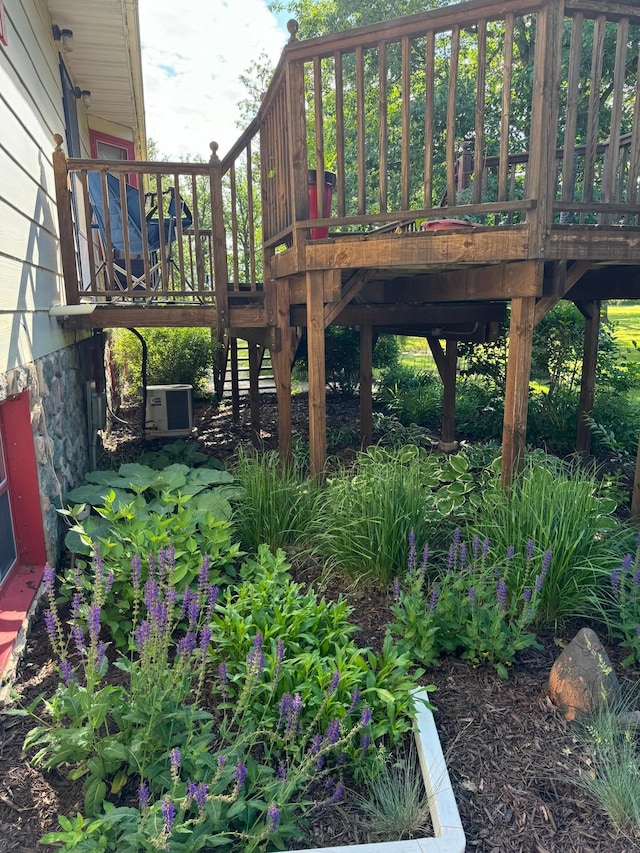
x,y
317,377
254,391
446,361
591,311
516,401
281,364
366,385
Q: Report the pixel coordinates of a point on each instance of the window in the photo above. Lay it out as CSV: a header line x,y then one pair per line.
x,y
8,550
103,146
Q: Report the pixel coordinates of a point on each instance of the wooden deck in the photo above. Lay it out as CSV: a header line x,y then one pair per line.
x,y
544,161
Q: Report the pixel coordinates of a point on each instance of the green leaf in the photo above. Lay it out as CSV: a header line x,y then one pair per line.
x,y
209,477
213,503
138,475
384,695
94,796
458,463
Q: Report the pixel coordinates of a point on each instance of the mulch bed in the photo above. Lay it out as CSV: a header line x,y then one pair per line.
x,y
512,758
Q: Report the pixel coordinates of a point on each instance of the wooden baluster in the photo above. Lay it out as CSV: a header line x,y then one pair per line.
x,y
634,148
451,116
429,86
198,234
340,164
111,283
481,77
87,220
234,228
406,124
573,84
360,123
504,190
297,129
319,135
383,133
179,235
595,81
613,151
251,218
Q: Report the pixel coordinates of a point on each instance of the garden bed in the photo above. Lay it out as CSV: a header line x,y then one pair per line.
x,y
512,758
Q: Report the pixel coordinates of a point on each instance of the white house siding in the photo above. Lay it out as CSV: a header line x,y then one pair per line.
x,y
35,352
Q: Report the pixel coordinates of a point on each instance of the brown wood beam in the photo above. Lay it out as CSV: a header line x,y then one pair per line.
x,y
429,315
517,392
350,290
591,310
565,281
366,385
610,282
317,378
594,243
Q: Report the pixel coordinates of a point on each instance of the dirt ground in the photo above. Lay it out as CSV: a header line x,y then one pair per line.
x,y
512,758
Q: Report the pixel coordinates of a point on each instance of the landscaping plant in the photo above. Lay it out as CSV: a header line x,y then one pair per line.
x,y
469,609
162,770
622,606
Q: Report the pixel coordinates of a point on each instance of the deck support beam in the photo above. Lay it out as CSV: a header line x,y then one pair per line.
x,y
591,311
514,431
317,376
366,385
446,361
281,364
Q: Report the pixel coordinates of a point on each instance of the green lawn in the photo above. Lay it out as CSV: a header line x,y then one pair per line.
x,y
627,327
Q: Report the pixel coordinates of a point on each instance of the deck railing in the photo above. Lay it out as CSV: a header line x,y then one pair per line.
x,y
510,112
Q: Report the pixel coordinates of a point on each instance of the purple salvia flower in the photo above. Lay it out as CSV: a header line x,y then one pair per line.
x,y
50,625
636,578
76,605
162,565
192,790
101,652
342,759
159,617
293,715
320,763
526,595
223,678
175,758
109,583
98,564
538,583
282,770
475,546
333,685
78,638
396,590
136,568
77,578
355,698
193,610
637,629
332,733
273,816
510,552
171,557
152,565
171,596
463,555
433,599
151,593
425,559
472,596
49,578
203,574
285,707
337,794
212,598
451,558
186,645
169,814
201,795
141,636
255,658
239,774
546,562
66,671
485,547
316,744
143,795
627,562
530,548
365,743
365,717
638,541
501,593
457,536
186,601
221,762
205,639
411,560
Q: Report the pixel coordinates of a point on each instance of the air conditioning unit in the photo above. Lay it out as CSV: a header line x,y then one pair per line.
x,y
169,411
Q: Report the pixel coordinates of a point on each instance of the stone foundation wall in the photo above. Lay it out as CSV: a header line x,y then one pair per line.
x,y
56,385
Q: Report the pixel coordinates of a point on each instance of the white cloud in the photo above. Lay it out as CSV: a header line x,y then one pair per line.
x,y
193,54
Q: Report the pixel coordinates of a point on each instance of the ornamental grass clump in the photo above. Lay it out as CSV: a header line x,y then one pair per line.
x,y
193,748
469,609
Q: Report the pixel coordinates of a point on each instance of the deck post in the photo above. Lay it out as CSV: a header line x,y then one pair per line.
x,y
281,363
254,391
219,239
447,361
65,223
298,165
516,401
317,376
366,385
591,311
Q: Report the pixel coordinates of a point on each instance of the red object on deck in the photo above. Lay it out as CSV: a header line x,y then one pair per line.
x,y
445,224
329,185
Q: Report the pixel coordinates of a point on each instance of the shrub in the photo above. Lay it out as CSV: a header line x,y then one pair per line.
x,y
175,356
621,607
414,397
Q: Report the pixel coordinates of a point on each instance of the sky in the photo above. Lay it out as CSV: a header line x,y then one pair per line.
x,y
193,53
